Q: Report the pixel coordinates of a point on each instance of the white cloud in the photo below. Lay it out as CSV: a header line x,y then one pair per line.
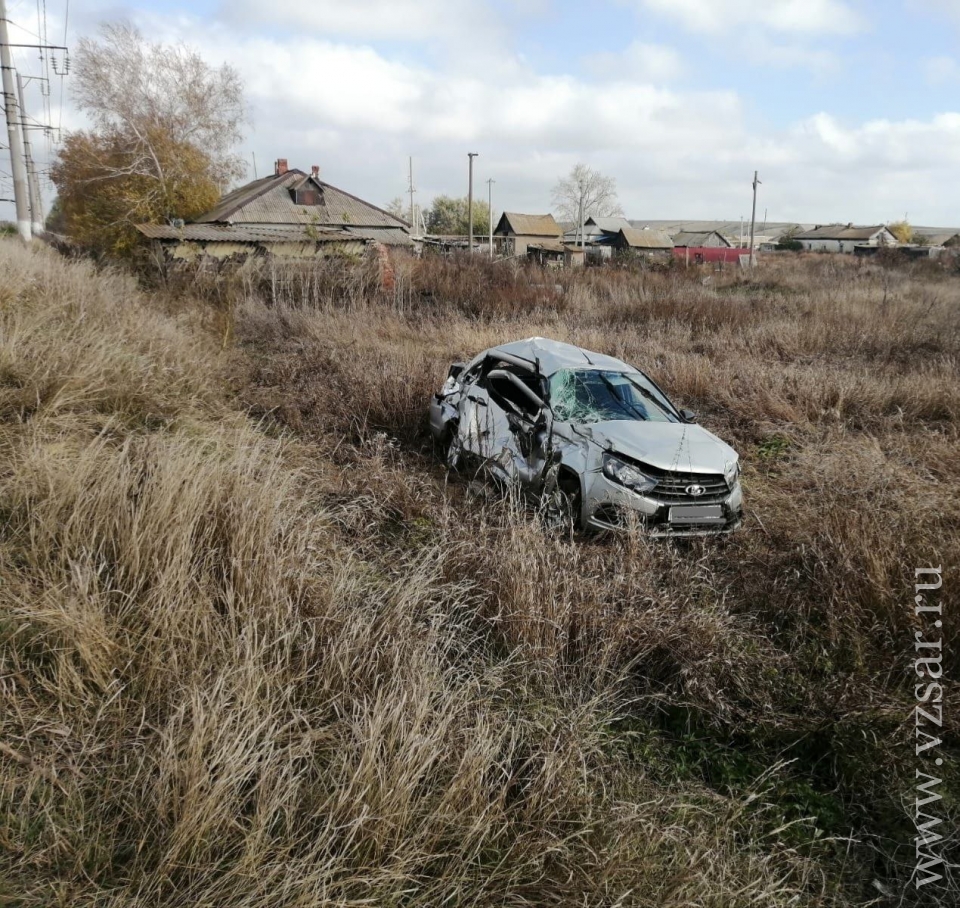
x,y
673,152
873,171
882,146
804,17
371,20
790,56
639,62
359,112
941,70
358,115
949,8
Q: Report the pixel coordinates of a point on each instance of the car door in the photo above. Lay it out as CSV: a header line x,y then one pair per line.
x,y
521,423
476,427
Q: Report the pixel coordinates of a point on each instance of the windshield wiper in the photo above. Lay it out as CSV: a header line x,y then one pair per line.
x,y
624,405
648,394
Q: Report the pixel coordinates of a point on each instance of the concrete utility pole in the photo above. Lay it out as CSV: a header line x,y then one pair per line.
x,y
33,182
411,190
470,155
490,183
753,217
582,216
15,137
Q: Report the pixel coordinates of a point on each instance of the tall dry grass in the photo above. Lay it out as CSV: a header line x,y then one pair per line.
x,y
838,382
276,657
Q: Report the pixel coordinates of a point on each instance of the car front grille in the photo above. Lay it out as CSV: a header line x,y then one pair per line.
x,y
672,486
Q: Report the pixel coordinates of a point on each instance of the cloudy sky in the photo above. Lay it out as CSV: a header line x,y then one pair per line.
x,y
849,109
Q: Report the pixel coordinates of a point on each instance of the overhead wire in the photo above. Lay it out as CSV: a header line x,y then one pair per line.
x,y
23,28
45,95
66,22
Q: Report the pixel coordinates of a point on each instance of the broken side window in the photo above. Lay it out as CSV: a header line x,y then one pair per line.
x,y
506,388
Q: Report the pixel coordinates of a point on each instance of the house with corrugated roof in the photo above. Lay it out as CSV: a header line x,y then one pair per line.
x,y
709,239
596,232
515,233
949,239
289,213
610,226
640,240
844,238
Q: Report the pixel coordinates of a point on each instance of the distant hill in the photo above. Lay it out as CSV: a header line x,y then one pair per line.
x,y
771,229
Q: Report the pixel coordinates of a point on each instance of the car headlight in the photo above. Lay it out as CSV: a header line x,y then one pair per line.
x,y
731,473
626,474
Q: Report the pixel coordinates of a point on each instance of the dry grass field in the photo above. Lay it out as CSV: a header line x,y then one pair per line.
x,y
258,649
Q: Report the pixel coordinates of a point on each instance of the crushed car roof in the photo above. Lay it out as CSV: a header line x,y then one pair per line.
x,y
554,355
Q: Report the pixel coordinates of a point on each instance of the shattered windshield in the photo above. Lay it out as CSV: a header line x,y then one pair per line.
x,y
594,395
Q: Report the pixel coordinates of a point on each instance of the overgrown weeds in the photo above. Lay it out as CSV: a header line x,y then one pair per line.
x,y
838,383
278,657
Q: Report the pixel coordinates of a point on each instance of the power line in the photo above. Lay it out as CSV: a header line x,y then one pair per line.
x,y
66,21
44,59
23,28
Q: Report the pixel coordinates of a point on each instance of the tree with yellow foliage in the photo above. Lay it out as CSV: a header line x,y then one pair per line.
x,y
163,124
902,231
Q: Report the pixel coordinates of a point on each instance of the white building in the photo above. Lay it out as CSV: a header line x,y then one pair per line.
x,y
844,237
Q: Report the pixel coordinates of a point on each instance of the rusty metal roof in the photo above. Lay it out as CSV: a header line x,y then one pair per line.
x,y
270,201
528,225
636,238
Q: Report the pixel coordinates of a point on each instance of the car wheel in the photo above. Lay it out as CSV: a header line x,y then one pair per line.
x,y
561,507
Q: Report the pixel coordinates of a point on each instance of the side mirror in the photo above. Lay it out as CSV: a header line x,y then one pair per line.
x,y
688,415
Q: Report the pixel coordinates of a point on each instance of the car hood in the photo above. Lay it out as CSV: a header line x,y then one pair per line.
x,y
666,445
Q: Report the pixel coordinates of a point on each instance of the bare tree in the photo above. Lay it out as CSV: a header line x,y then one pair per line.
x,y
398,208
164,124
585,192
132,88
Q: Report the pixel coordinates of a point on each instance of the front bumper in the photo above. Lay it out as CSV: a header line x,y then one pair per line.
x,y
608,506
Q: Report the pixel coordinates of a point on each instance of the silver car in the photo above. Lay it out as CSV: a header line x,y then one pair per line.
x,y
594,438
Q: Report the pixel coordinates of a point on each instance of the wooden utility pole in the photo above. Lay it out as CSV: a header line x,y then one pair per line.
x,y
490,183
470,155
753,217
14,134
33,182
